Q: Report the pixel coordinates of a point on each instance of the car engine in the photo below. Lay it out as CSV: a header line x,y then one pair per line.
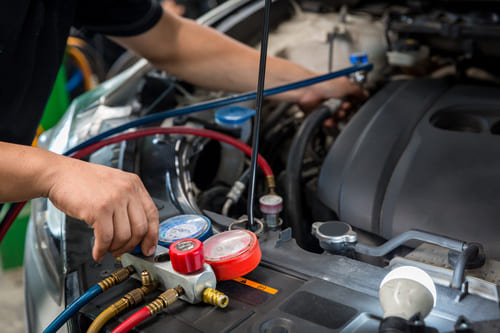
x,y
407,177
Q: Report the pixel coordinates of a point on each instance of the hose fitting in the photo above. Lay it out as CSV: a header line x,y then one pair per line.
x,y
132,298
166,299
146,278
236,191
271,184
116,277
215,297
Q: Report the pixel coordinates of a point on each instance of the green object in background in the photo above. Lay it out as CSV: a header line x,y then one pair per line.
x,y
58,102
12,247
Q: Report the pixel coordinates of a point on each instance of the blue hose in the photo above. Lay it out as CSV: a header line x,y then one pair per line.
x,y
217,103
74,81
73,308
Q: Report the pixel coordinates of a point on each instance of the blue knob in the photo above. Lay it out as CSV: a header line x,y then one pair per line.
x,y
233,115
358,58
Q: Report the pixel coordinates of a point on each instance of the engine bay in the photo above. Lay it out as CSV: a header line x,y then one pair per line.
x,y
407,177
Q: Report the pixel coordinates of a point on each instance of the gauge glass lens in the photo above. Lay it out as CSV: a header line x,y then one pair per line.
x,y
182,226
227,245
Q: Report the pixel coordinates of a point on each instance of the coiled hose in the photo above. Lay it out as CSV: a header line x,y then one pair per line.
x,y
293,208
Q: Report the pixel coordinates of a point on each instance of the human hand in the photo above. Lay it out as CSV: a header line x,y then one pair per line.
x,y
114,203
340,88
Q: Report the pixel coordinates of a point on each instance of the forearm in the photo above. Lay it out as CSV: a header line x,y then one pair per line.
x,y
25,172
206,57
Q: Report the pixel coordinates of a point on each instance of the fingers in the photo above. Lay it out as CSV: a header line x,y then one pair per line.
x,y
103,232
122,232
132,219
350,88
151,238
138,223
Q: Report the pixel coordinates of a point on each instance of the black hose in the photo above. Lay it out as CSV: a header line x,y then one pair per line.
x,y
293,208
158,99
382,250
276,116
467,255
258,114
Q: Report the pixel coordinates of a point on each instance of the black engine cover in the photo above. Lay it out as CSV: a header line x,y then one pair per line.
x,y
421,154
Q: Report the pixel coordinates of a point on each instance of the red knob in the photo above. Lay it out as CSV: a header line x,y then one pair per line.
x,y
186,255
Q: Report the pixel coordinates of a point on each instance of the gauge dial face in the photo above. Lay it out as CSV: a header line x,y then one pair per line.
x,y
182,226
227,245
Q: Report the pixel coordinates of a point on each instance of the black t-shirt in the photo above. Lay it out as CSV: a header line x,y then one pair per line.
x,y
33,37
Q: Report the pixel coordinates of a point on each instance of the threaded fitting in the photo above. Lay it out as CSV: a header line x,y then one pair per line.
x,y
116,277
236,191
271,184
166,299
215,297
146,278
120,306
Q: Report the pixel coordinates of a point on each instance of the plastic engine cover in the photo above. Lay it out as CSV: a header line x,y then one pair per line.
x,y
421,154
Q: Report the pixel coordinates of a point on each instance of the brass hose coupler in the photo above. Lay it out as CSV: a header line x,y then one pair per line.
x,y
137,295
116,277
146,278
271,184
215,297
166,299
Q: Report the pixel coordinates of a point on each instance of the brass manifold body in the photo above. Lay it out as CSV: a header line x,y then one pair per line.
x,y
116,277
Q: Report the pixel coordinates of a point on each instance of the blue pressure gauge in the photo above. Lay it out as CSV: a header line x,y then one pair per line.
x,y
184,226
180,227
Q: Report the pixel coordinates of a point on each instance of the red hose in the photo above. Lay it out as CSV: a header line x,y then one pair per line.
x,y
175,130
148,132
133,321
10,219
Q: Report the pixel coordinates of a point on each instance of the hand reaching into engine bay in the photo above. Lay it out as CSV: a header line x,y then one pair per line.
x,y
339,88
205,57
114,203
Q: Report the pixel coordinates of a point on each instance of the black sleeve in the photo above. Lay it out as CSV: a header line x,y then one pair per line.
x,y
117,17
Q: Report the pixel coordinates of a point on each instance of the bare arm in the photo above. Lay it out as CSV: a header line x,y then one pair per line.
x,y
113,202
205,57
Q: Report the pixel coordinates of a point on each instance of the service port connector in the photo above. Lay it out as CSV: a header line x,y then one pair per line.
x,y
271,206
116,277
146,278
214,297
164,300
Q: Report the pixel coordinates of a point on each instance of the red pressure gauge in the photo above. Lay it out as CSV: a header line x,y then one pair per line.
x,y
232,253
186,255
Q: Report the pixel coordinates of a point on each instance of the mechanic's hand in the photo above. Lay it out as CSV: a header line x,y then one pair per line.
x,y
340,88
113,202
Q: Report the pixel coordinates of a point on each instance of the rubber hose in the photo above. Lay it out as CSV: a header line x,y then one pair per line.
x,y
293,208
133,321
71,310
101,320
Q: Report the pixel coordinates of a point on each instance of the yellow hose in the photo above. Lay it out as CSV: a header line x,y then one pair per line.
x,y
82,63
102,319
